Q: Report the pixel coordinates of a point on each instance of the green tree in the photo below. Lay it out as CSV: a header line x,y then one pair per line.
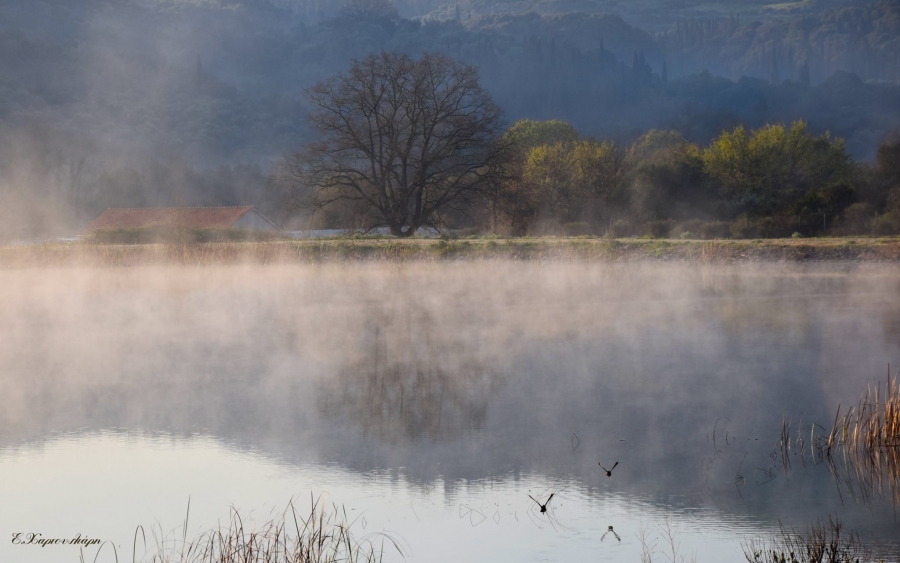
x,y
887,171
526,134
666,179
573,182
655,145
547,176
597,177
887,160
772,168
512,200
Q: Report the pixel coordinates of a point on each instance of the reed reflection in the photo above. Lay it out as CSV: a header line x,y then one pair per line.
x,y
861,449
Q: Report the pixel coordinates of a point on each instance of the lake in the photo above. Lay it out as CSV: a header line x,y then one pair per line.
x,y
430,401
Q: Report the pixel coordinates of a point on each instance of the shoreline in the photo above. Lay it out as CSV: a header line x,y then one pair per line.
x,y
845,249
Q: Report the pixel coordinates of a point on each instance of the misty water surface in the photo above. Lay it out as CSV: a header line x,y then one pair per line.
x,y
430,400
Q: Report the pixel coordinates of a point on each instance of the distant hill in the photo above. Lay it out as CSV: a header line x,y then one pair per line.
x,y
585,32
861,39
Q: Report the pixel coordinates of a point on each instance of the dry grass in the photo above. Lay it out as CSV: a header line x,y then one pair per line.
x,y
822,543
389,249
669,551
322,537
862,448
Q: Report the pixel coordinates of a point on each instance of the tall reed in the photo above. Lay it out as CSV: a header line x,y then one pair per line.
x,y
324,536
822,543
862,448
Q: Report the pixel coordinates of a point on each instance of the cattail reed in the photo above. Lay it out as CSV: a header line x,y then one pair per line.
x,y
862,448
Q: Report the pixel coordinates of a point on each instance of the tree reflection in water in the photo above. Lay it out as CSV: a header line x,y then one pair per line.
x,y
413,382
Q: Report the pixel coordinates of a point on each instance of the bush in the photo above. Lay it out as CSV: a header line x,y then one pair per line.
x,y
660,229
893,199
691,226
620,229
886,224
697,228
715,229
778,226
745,228
575,229
856,219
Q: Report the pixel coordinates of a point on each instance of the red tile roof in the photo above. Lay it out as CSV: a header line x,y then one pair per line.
x,y
189,217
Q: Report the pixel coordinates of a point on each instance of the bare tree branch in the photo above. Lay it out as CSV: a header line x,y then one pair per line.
x,y
409,138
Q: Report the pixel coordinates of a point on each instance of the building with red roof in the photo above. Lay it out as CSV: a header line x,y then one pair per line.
x,y
243,217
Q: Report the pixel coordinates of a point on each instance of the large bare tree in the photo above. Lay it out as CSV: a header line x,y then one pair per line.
x,y
412,140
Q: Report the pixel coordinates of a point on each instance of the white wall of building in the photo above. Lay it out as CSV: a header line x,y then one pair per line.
x,y
256,221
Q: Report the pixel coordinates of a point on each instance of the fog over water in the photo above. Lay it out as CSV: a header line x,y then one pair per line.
x,y
434,398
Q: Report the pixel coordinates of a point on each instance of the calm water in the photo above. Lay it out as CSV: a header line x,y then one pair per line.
x,y
430,400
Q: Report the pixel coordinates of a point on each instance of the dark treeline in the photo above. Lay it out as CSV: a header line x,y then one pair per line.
x,y
170,102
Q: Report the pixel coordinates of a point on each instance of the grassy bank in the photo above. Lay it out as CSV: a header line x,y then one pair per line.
x,y
391,249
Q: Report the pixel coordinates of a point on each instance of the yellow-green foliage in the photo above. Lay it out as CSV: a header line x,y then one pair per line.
x,y
597,167
547,173
656,145
772,167
527,133
572,182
